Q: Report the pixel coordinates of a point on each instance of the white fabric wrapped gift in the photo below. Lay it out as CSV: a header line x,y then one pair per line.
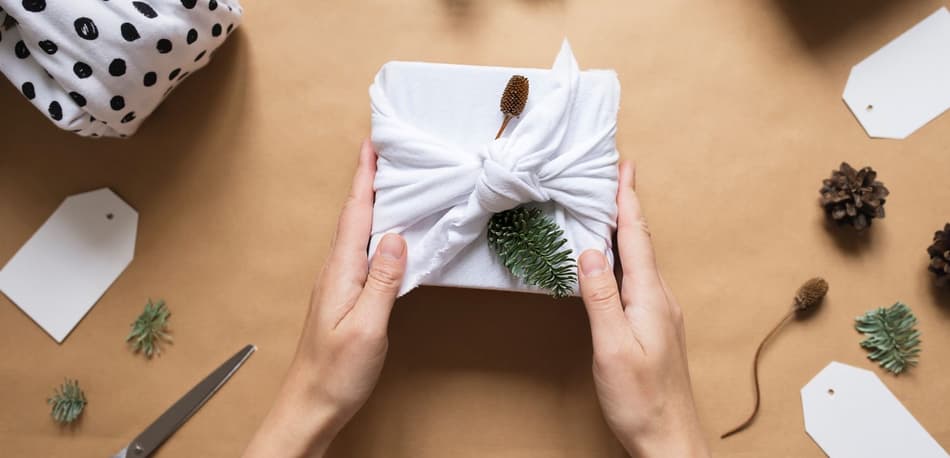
x,y
440,175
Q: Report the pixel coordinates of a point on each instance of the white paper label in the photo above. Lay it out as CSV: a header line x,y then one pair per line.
x,y
905,84
71,261
850,413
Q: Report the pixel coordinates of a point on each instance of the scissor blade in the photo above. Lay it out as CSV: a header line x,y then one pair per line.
x,y
184,408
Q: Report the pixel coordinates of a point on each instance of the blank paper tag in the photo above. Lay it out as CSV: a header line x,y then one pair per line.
x,y
850,413
905,84
71,260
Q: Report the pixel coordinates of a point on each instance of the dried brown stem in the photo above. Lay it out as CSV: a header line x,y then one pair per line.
x,y
503,125
755,375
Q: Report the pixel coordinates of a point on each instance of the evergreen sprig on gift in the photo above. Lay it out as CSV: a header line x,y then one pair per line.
x,y
531,246
148,330
891,337
68,402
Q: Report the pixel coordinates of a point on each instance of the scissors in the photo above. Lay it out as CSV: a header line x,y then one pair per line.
x,y
166,425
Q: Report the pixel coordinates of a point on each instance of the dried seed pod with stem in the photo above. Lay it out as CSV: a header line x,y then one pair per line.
x,y
809,296
513,100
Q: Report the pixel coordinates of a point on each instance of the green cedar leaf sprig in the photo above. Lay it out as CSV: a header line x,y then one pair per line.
x,y
68,402
531,246
891,338
148,330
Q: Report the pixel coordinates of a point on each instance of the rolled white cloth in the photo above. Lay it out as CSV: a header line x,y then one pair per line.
x,y
440,176
99,68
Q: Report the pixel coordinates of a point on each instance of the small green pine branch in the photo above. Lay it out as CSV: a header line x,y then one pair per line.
x,y
891,337
68,401
532,247
149,329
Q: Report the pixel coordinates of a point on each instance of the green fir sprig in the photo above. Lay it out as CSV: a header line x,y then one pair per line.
x,y
891,338
148,330
68,402
531,246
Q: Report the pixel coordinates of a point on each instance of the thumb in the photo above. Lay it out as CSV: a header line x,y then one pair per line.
x,y
385,278
602,300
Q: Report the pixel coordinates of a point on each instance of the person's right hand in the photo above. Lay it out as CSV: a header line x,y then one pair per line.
x,y
640,366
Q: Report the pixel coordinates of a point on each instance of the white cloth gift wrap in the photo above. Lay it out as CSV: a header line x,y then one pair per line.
x,y
440,176
100,68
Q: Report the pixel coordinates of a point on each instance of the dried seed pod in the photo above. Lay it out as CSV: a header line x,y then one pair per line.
x,y
808,297
513,100
811,293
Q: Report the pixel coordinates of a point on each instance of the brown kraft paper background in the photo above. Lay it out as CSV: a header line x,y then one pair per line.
x,y
731,110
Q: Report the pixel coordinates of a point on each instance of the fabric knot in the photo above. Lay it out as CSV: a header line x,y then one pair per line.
x,y
501,188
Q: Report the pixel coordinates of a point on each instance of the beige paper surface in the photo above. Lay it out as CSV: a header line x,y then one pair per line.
x,y
732,110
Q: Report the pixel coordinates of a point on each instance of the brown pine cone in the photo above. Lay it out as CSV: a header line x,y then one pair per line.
x,y
940,255
853,197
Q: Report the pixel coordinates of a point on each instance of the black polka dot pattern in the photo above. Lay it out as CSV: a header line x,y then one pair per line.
x,y
145,9
55,111
20,50
48,47
150,79
82,70
129,32
117,103
86,29
78,98
28,90
34,6
109,47
164,46
117,67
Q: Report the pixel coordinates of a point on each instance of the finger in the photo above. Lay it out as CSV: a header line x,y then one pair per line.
x,y
382,284
602,301
348,256
633,235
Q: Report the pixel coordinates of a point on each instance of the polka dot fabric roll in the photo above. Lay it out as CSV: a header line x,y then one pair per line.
x,y
99,68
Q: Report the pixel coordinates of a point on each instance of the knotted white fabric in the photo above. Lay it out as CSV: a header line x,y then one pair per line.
x,y
98,68
440,176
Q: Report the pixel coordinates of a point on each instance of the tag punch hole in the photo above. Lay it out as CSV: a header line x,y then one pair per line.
x,y
831,392
869,108
109,216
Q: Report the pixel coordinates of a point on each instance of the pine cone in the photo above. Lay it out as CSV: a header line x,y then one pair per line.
x,y
940,255
853,197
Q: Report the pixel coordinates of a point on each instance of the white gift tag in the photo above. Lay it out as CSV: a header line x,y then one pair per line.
x,y
71,260
905,84
850,413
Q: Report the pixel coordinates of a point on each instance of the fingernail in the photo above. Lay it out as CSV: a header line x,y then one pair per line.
x,y
392,246
592,263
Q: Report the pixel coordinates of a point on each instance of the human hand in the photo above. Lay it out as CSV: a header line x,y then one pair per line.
x,y
343,344
640,367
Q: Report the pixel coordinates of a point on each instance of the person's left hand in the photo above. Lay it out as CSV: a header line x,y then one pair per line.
x,y
344,342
